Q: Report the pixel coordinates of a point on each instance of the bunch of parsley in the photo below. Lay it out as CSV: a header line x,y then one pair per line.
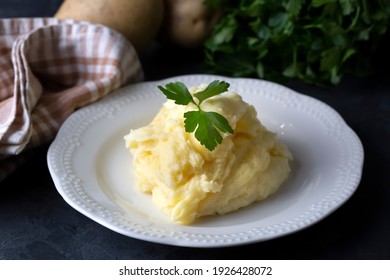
x,y
315,41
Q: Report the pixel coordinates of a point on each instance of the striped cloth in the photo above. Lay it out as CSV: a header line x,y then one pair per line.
x,y
48,69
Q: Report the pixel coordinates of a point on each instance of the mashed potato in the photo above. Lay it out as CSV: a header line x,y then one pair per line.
x,y
188,181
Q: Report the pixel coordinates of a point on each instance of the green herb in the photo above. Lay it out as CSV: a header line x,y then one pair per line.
x,y
314,41
206,125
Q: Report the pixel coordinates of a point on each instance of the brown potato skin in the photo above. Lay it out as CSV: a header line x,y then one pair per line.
x,y
138,20
187,23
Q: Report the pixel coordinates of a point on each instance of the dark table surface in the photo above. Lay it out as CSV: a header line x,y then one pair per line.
x,y
36,223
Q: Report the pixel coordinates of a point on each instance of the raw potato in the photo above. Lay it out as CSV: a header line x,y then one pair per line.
x,y
138,20
187,23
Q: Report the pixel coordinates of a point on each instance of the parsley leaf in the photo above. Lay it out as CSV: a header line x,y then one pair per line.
x,y
207,126
214,88
205,131
177,92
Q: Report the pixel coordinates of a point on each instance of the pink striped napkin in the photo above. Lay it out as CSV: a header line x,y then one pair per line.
x,y
48,69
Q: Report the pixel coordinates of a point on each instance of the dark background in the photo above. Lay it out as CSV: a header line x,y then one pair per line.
x,y
36,223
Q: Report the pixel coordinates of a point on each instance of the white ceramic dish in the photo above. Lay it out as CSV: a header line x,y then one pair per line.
x,y
92,170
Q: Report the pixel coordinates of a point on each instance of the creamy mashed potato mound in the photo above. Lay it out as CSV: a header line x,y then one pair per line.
x,y
188,181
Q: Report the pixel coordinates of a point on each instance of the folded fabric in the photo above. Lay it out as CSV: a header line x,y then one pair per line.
x,y
48,69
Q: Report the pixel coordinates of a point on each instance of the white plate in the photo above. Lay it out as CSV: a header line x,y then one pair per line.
x,y
92,169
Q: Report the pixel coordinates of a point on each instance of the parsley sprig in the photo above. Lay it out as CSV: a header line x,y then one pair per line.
x,y
206,125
